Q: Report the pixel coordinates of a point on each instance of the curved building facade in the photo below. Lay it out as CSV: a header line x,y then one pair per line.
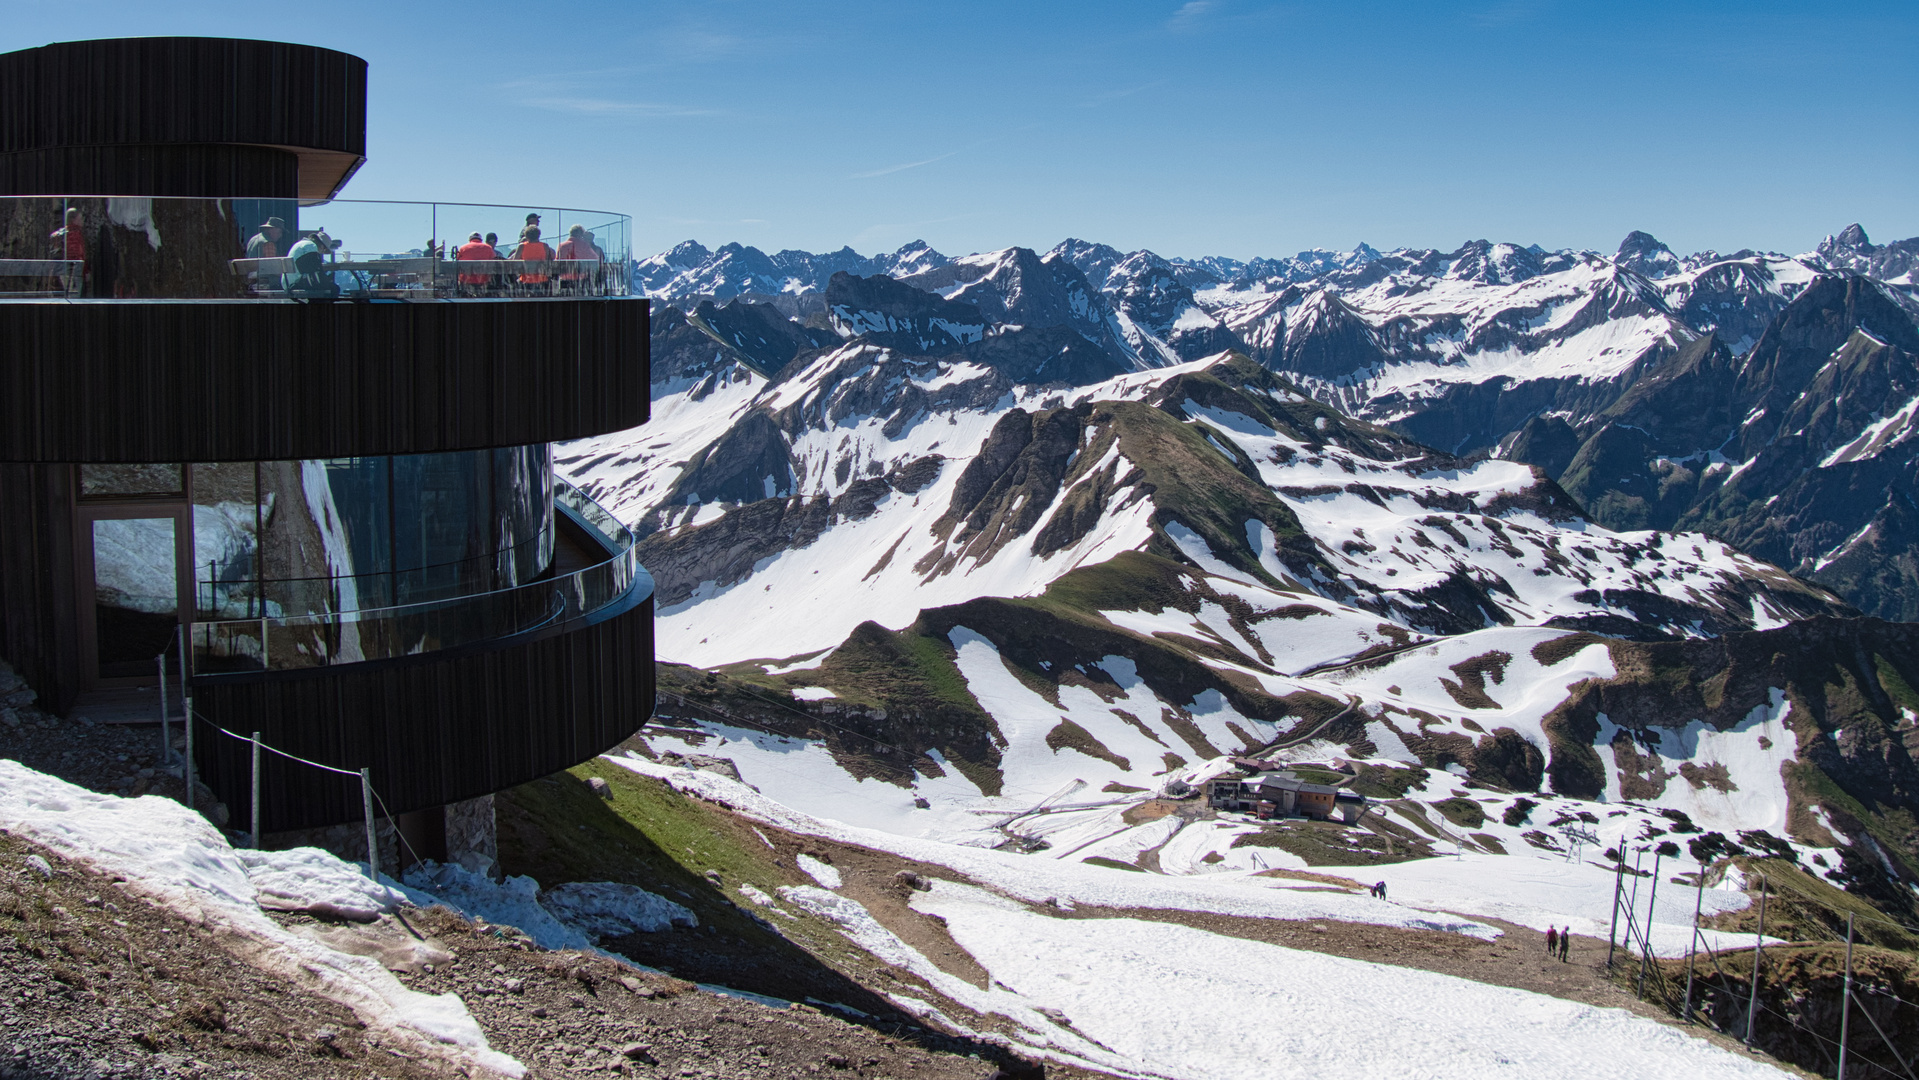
x,y
297,446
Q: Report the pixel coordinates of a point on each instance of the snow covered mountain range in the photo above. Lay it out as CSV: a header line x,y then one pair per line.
x,y
1793,446
994,550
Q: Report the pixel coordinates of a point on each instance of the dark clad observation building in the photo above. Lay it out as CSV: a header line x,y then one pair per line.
x,y
323,473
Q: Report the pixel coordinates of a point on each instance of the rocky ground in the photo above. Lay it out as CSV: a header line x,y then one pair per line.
x,y
124,759
97,982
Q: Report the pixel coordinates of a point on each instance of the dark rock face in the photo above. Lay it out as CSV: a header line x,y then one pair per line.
x,y
1327,339
1096,261
695,344
1148,291
1546,441
1495,264
899,316
1045,356
1735,299
749,463
1022,289
1796,453
859,378
758,335
1643,254
1852,250
1011,485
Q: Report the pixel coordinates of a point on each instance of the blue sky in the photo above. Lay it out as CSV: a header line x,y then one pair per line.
x,y
1206,127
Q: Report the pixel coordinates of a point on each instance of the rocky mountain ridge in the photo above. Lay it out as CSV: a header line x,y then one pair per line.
x,y
1492,348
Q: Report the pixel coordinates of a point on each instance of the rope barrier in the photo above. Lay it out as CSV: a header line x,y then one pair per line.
x,y
367,794
202,717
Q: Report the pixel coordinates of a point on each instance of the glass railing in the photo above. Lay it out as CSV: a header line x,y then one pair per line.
x,y
115,248
247,597
348,637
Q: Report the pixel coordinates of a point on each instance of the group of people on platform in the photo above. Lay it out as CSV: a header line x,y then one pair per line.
x,y
577,251
580,261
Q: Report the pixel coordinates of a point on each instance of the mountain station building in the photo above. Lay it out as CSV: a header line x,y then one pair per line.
x,y
1283,794
277,448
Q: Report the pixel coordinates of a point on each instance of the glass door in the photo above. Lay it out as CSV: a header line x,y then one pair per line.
x,y
135,576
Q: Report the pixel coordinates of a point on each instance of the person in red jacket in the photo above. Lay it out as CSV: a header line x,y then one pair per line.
x,y
578,256
69,242
535,253
475,250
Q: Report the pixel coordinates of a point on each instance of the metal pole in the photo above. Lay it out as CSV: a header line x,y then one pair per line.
x,y
166,733
1845,1007
254,820
1758,938
186,704
1692,946
372,842
1887,1039
1618,886
1632,899
1645,931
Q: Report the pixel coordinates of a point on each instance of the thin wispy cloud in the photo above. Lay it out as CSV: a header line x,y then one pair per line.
x,y
592,106
1191,13
899,168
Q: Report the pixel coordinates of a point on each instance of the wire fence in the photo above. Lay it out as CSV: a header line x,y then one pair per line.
x,y
1653,976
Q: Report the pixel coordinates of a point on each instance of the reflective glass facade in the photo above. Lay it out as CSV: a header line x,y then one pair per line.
x,y
277,539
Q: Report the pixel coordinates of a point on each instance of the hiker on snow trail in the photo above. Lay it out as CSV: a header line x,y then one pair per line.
x,y
1552,941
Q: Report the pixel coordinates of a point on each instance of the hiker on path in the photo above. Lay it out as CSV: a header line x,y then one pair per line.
x,y
1565,942
1379,890
1552,941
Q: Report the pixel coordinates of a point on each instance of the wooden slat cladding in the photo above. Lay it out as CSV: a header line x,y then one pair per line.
x,y
37,617
432,731
191,171
262,380
129,92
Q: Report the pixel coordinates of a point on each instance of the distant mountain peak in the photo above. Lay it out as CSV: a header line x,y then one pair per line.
x,y
1642,253
1854,236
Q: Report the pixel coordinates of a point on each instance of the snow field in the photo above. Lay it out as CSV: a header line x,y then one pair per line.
x,y
1541,893
1067,883
838,580
1543,564
1025,719
1185,1003
1752,753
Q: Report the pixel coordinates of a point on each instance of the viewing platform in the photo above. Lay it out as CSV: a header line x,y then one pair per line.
x,y
89,247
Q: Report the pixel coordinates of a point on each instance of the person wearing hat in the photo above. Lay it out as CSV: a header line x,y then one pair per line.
x,y
309,262
475,250
266,243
